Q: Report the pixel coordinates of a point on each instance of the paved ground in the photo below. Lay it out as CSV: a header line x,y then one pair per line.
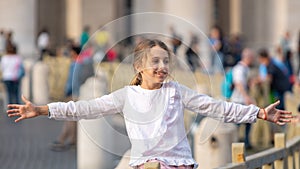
x,y
26,145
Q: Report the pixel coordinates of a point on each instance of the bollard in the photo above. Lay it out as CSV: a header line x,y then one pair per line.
x,y
296,153
267,166
214,138
290,162
26,82
40,90
238,152
98,143
279,143
124,163
89,151
152,165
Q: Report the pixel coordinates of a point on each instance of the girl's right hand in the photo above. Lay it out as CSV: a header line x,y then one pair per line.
x,y
28,110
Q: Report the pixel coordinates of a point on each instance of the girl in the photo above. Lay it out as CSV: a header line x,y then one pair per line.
x,y
153,110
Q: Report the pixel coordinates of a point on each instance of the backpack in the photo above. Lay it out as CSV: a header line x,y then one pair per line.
x,y
21,72
227,85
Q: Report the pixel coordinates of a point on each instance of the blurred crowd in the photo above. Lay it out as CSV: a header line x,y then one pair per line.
x,y
254,76
258,76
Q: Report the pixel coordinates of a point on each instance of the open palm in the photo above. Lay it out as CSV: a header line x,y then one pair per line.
x,y
277,116
28,110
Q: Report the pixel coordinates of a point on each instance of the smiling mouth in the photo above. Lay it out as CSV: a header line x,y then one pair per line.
x,y
161,73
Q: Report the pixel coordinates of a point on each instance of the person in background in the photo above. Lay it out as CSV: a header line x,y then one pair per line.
x,y
192,53
43,42
217,44
279,83
9,42
235,49
298,52
285,44
284,64
12,72
2,42
102,38
277,76
84,37
176,39
289,65
241,81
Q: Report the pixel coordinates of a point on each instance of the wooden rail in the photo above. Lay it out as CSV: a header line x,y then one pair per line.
x,y
282,155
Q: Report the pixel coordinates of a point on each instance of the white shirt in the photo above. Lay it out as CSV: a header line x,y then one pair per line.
x,y
10,66
154,118
43,40
240,74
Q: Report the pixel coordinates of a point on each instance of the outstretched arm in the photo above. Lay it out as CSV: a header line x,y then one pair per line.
x,y
82,109
28,110
230,112
270,113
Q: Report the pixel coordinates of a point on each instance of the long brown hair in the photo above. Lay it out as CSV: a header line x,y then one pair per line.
x,y
141,52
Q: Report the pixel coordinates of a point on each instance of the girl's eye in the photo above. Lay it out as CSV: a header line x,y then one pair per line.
x,y
155,61
166,61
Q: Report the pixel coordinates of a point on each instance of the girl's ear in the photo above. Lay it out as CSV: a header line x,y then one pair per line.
x,y
138,68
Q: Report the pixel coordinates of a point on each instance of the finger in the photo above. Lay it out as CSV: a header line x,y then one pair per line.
x,y
285,112
25,100
14,114
14,106
19,119
280,123
285,120
12,111
276,103
287,116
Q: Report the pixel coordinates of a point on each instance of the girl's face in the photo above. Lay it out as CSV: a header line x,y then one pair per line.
x,y
156,68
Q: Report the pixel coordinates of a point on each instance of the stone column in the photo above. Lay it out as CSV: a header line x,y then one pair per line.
x,y
196,14
235,16
198,20
73,18
190,16
263,22
19,17
293,22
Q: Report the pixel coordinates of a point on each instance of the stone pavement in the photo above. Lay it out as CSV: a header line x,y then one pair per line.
x,y
25,145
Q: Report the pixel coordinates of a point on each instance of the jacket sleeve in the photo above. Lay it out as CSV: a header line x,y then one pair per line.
x,y
218,109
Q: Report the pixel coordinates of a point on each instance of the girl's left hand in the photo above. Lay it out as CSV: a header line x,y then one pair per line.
x,y
277,116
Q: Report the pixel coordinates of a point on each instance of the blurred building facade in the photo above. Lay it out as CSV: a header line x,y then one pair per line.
x,y
262,23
